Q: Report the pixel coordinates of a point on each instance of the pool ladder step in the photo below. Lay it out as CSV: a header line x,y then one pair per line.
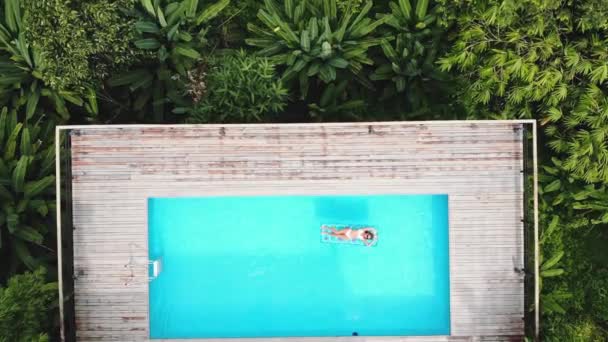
x,y
157,267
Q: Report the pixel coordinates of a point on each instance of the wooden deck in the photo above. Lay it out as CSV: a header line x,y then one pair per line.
x,y
479,165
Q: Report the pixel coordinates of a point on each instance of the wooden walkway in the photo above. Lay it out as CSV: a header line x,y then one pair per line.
x,y
479,165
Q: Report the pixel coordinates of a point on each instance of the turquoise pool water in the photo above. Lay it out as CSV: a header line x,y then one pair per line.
x,y
256,267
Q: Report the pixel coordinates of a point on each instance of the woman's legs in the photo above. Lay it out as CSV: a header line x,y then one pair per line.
x,y
341,234
332,229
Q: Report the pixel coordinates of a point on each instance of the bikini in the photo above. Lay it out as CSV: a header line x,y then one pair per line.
x,y
349,234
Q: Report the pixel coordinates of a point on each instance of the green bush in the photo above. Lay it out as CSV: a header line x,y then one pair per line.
x,y
79,43
575,330
26,191
335,104
24,307
239,88
173,34
547,60
543,60
231,29
573,270
407,73
21,72
310,40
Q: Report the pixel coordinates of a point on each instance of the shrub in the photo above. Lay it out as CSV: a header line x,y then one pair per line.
x,y
24,307
547,60
173,34
240,88
334,104
573,270
584,330
26,190
232,23
408,74
21,72
310,40
544,60
79,43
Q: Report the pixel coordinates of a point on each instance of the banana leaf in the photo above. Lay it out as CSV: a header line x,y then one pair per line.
x,y
212,11
405,8
191,8
12,14
187,52
421,8
256,30
128,78
3,125
34,188
11,142
147,27
147,43
147,4
26,143
24,255
289,8
32,101
19,173
338,62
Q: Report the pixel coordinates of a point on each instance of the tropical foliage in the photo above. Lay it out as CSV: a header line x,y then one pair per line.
x,y
26,190
547,60
22,72
544,60
165,61
335,102
173,33
242,88
231,29
574,273
24,307
311,41
90,40
415,37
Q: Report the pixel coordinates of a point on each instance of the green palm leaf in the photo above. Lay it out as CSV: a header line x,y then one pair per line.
x,y
147,44
421,8
406,9
19,173
29,234
11,143
34,188
212,11
26,143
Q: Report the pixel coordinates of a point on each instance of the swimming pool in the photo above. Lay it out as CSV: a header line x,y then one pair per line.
x,y
257,267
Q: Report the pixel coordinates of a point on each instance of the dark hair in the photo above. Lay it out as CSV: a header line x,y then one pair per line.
x,y
369,234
